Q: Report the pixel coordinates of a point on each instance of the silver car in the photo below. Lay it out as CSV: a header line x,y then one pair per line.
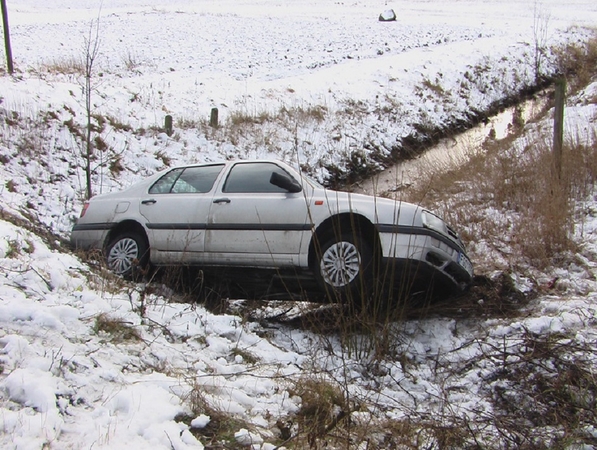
x,y
267,214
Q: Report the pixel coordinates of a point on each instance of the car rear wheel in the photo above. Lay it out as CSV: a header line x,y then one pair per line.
x,y
127,254
344,267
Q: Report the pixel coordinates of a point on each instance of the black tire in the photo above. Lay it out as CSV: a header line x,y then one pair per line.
x,y
344,268
127,254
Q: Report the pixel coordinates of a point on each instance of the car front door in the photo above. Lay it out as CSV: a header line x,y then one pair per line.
x,y
253,221
176,208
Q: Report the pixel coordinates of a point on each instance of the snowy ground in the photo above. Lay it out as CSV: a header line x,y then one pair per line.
x,y
333,81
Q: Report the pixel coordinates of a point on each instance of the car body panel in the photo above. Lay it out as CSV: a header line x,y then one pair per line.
x,y
271,224
176,224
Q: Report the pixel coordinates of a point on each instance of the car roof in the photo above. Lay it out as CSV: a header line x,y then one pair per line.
x,y
231,162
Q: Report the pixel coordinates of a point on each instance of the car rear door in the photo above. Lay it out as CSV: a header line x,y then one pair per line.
x,y
176,208
253,222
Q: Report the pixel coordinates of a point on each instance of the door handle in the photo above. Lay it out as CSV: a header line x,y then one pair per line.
x,y
149,202
222,200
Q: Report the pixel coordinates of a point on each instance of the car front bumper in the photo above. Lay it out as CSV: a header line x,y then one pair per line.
x,y
428,251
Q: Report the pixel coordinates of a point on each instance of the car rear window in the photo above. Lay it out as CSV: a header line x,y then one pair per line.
x,y
198,179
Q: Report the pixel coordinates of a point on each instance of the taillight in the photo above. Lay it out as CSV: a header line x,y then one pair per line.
x,y
84,210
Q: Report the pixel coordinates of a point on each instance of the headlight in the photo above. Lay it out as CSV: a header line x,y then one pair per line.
x,y
430,220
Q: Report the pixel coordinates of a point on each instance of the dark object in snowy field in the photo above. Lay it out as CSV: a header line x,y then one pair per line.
x,y
387,16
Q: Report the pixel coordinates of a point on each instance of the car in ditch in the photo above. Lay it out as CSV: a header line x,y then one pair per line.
x,y
266,214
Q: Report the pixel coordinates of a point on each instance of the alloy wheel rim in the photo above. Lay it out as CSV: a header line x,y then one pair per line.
x,y
122,255
340,264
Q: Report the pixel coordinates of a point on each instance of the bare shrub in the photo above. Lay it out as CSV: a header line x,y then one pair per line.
x,y
540,38
130,59
441,432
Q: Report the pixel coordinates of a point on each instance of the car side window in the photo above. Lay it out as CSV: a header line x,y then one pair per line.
x,y
253,178
164,184
199,179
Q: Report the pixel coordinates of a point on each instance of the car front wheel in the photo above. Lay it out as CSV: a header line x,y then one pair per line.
x,y
344,267
127,254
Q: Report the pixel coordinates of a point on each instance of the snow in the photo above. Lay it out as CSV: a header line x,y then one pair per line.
x,y
66,384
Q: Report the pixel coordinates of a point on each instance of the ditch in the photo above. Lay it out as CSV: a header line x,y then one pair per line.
x,y
454,150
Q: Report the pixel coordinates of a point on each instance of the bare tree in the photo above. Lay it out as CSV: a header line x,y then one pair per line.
x,y
540,38
91,49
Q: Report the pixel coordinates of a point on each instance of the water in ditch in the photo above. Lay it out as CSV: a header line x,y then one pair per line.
x,y
453,151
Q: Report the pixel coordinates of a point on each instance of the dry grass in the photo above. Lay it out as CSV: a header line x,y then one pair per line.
x,y
578,61
66,66
324,411
219,432
117,330
551,383
509,196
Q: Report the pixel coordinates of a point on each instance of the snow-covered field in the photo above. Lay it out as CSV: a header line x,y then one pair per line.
x,y
312,82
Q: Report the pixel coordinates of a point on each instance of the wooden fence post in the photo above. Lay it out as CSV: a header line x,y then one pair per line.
x,y
168,125
213,118
558,125
6,37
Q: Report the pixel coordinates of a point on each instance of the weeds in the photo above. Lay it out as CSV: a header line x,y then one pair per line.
x,y
219,431
316,113
117,330
130,60
117,124
324,407
116,167
547,396
13,249
188,123
434,87
238,118
245,356
11,186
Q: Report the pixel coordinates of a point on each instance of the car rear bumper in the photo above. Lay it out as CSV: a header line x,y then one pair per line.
x,y
88,237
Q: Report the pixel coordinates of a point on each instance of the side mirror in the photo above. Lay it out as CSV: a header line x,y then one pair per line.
x,y
285,182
